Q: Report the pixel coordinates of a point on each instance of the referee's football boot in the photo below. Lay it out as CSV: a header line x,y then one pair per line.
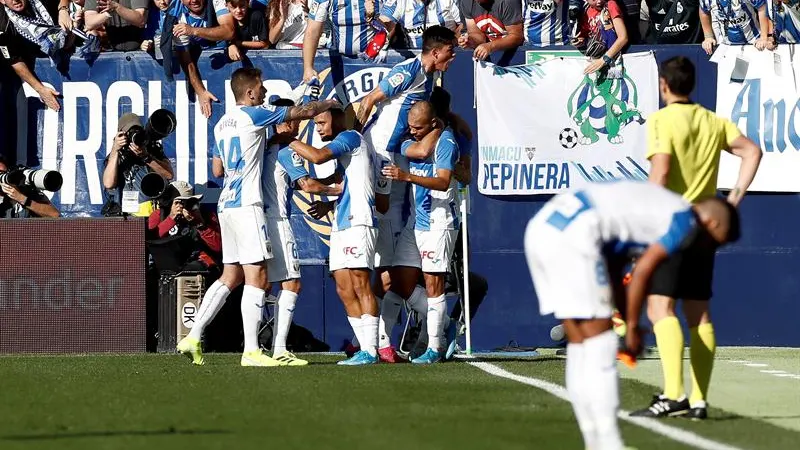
x,y
698,411
664,407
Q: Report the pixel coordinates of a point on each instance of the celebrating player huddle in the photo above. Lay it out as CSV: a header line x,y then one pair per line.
x,y
262,161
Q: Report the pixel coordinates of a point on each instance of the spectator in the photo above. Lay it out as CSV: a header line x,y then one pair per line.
x,y
20,46
287,23
197,26
672,22
733,22
155,25
783,22
180,215
492,26
359,34
76,13
602,34
25,201
123,21
251,29
415,16
127,164
546,22
631,12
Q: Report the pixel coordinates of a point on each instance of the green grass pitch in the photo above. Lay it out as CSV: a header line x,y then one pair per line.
x,y
160,401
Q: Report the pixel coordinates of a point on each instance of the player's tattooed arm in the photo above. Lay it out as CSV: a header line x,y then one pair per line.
x,y
310,153
310,110
365,108
424,149
314,186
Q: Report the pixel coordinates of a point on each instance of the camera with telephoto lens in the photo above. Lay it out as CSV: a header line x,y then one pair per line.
x,y
160,125
42,179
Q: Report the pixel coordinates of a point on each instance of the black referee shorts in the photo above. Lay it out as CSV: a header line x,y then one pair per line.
x,y
685,275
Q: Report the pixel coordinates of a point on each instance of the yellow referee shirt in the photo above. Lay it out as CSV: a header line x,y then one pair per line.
x,y
694,137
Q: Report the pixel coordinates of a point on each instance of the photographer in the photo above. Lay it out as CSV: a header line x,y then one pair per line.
x,y
24,201
127,164
180,216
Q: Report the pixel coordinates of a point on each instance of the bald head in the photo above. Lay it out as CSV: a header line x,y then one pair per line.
x,y
720,219
421,119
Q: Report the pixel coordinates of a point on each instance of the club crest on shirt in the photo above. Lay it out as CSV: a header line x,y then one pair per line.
x,y
297,161
396,79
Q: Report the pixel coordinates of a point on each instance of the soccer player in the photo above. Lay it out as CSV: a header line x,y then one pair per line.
x,y
240,138
407,83
684,145
428,240
283,170
568,247
354,229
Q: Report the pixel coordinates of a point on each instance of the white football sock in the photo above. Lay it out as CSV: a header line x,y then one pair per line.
x,y
252,305
369,334
418,301
601,387
355,342
437,309
283,320
390,313
355,324
212,302
577,396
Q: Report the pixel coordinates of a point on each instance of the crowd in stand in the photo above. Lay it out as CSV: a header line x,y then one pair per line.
x,y
368,28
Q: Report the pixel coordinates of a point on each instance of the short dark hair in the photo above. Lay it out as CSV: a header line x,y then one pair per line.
x,y
437,36
238,2
282,102
679,74
242,79
440,99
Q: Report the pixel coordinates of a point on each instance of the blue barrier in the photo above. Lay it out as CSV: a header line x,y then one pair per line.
x,y
755,291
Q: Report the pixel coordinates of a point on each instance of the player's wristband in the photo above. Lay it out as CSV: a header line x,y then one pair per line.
x,y
28,202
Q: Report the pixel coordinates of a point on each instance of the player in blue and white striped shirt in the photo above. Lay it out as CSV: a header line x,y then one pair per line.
x,y
546,22
239,155
731,22
415,16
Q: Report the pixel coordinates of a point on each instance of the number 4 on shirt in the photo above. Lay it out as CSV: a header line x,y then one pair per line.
x,y
233,159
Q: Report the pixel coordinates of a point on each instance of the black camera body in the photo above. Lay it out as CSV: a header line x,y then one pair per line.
x,y
190,203
160,125
42,179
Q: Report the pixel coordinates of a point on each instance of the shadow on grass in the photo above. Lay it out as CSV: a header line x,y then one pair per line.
x,y
101,434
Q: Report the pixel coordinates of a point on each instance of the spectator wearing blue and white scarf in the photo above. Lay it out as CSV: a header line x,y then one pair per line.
x,y
784,18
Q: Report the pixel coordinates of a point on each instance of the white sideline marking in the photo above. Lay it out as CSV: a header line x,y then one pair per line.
x,y
676,434
756,365
773,372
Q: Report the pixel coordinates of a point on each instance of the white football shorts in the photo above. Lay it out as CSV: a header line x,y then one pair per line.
x,y
353,248
568,268
431,251
245,238
285,264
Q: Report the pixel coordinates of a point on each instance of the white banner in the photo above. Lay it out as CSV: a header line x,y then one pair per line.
x,y
761,98
546,127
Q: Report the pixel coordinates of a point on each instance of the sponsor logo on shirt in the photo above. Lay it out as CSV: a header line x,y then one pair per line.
x,y
541,6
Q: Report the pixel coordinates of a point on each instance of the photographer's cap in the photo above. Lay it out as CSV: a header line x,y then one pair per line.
x,y
185,191
128,121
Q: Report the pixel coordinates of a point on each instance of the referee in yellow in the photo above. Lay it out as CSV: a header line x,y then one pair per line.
x,y
685,141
